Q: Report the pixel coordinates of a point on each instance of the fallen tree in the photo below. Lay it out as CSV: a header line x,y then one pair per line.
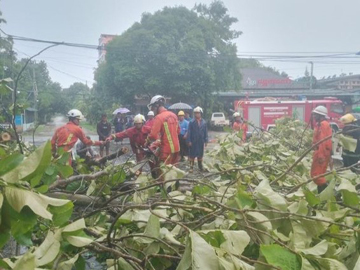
x,y
254,209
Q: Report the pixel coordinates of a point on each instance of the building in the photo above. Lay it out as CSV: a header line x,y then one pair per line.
x,y
264,78
342,82
103,41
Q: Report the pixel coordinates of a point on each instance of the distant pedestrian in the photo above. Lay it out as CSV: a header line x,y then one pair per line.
x,y
119,122
322,152
165,129
184,125
188,117
197,139
104,131
239,125
150,121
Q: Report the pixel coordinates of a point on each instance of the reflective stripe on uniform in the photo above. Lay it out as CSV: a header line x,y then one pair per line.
x,y
68,139
168,135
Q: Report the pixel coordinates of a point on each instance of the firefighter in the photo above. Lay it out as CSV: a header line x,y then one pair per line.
x,y
197,139
351,129
165,129
137,136
239,125
150,120
66,136
322,152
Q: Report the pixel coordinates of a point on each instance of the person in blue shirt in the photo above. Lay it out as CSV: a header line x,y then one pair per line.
x,y
188,117
184,125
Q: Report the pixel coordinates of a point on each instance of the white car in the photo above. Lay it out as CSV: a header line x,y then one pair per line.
x,y
218,120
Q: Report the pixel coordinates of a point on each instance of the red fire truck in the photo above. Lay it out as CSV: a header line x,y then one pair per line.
x,y
263,112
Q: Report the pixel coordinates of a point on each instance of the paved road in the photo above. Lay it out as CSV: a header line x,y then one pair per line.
x,y
48,130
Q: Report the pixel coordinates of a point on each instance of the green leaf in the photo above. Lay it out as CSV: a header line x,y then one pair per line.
x,y
61,214
233,242
27,261
10,162
91,188
24,239
42,189
281,257
64,170
317,250
49,249
153,227
32,166
38,203
331,264
75,226
25,222
328,192
265,193
68,265
311,198
4,237
78,241
243,199
203,255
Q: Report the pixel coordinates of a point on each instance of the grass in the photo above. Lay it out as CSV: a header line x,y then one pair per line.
x,y
90,127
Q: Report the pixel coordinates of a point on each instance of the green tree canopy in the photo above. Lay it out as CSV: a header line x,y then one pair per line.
x,y
177,52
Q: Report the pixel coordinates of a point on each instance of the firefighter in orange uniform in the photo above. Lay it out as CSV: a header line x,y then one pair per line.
x,y
166,129
322,152
66,136
137,136
239,125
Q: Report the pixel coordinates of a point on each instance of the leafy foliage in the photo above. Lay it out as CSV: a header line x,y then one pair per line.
x,y
175,52
241,215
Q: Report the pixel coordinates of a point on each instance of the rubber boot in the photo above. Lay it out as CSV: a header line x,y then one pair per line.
x,y
200,165
191,166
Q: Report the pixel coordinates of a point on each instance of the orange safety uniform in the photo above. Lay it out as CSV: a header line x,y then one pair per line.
x,y
67,136
167,129
137,139
322,152
237,126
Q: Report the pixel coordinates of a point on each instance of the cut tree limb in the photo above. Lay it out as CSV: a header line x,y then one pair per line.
x,y
79,199
81,177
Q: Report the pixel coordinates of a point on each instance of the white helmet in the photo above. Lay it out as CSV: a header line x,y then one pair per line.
x,y
150,113
236,114
139,119
321,110
198,110
154,100
74,113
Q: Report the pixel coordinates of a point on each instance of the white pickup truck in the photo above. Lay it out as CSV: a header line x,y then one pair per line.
x,y
218,120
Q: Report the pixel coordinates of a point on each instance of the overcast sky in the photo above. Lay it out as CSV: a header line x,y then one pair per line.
x,y
296,27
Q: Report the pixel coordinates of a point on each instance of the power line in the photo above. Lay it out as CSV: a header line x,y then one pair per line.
x,y
255,55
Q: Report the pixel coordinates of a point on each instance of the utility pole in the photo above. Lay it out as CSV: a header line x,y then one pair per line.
x,y
35,90
311,74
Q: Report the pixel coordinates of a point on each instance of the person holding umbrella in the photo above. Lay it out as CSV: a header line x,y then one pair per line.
x,y
197,139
